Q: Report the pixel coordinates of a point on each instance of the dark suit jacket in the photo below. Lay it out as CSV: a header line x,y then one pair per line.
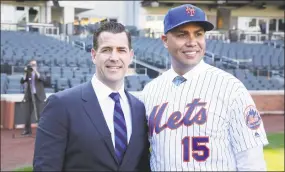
x,y
73,135
40,89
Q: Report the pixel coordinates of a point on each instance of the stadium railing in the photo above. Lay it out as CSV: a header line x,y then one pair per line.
x,y
241,36
79,44
42,28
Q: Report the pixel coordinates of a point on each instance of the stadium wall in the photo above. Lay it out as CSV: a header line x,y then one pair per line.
x,y
269,102
152,17
246,11
12,116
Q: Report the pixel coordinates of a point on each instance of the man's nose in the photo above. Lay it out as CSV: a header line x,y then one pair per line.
x,y
114,55
191,43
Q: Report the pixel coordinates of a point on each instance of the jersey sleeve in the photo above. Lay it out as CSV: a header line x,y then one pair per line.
x,y
246,128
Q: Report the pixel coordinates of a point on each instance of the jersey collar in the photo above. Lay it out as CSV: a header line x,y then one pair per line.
x,y
194,72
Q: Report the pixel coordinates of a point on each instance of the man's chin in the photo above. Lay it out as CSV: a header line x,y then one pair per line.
x,y
114,79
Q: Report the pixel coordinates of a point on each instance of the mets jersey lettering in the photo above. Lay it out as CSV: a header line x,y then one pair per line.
x,y
175,120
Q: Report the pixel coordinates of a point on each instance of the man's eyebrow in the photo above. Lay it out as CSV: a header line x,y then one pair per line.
x,y
185,31
106,47
199,30
122,47
179,31
110,47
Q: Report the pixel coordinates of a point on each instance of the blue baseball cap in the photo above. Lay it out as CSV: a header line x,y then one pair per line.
x,y
186,13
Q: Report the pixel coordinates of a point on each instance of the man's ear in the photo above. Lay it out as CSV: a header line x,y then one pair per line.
x,y
93,55
132,54
164,40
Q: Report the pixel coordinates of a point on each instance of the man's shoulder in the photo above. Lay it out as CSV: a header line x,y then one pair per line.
x,y
215,71
69,93
237,86
134,98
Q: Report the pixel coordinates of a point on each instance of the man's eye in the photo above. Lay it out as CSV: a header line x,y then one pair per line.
x,y
199,34
106,50
181,35
122,50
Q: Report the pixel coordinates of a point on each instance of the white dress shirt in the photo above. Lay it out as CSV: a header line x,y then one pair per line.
x,y
107,105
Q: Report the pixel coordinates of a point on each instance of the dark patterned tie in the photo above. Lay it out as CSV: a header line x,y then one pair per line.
x,y
178,80
119,128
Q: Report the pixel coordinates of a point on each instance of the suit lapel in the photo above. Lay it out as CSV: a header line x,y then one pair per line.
x,y
93,109
131,146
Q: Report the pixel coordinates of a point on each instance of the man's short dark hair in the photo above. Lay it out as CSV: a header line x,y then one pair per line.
x,y
112,27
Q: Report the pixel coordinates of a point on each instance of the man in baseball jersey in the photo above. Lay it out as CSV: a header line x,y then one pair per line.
x,y
200,117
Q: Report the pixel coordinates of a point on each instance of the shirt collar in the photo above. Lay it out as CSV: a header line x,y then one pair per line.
x,y
102,91
194,72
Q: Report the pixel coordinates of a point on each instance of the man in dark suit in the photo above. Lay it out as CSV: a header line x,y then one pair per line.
x,y
96,126
34,86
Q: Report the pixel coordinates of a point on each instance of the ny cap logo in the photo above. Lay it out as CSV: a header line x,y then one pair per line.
x,y
190,10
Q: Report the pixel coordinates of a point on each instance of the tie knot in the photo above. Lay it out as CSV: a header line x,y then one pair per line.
x,y
115,96
178,80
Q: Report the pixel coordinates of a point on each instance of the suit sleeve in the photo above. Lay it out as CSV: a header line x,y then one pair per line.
x,y
51,137
41,78
145,160
23,80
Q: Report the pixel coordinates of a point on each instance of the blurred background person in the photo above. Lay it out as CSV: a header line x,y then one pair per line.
x,y
34,90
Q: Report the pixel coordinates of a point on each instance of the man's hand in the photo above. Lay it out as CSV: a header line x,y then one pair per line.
x,y
36,72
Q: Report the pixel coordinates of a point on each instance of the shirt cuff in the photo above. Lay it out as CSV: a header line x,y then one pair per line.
x,y
251,159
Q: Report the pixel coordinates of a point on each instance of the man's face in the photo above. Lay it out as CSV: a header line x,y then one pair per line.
x,y
186,44
33,64
112,58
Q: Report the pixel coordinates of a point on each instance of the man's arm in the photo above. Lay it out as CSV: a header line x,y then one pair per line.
x,y
145,160
24,79
39,76
51,137
251,160
247,133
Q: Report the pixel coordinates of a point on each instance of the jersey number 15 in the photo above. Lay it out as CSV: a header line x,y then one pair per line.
x,y
200,152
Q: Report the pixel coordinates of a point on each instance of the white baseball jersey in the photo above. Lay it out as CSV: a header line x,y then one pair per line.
x,y
202,123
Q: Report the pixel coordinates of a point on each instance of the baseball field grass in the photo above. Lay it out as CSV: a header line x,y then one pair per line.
x,y
273,153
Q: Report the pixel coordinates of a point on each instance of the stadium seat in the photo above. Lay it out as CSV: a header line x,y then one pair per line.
x,y
74,82
62,60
